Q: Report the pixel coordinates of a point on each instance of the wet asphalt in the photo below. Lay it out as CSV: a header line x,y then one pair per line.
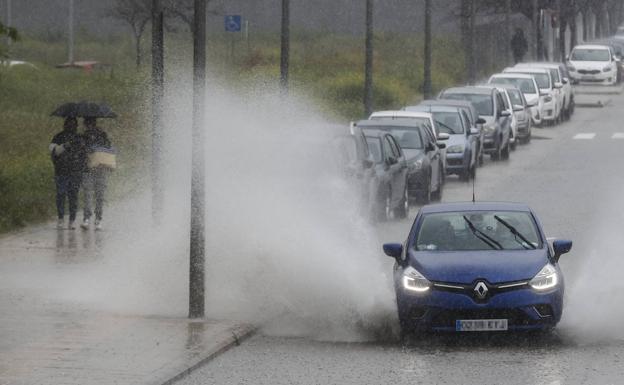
x,y
574,183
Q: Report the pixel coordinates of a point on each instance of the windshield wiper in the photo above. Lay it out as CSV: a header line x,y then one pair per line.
x,y
447,127
525,242
482,236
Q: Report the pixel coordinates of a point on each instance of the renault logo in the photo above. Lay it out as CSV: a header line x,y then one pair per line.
x,y
481,290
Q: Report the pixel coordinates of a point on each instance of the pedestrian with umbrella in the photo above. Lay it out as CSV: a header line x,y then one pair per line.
x,y
68,156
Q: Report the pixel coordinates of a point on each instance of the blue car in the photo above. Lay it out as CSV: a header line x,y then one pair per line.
x,y
482,266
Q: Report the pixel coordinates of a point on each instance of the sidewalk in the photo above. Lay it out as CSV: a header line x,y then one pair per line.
x,y
46,338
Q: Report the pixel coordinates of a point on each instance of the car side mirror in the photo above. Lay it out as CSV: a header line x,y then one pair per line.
x,y
558,85
441,145
505,113
565,80
391,160
560,247
429,147
480,121
474,131
567,57
531,105
518,108
367,163
393,250
443,136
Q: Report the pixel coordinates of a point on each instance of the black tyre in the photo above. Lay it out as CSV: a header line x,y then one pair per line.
x,y
425,197
505,152
496,155
473,171
402,211
514,144
382,210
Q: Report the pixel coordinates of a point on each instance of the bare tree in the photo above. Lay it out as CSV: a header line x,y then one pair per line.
x,y
184,10
136,14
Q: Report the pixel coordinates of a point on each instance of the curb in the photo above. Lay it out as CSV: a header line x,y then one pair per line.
x,y
598,104
239,334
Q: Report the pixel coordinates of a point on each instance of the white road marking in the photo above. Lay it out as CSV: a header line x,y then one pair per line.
x,y
590,135
618,135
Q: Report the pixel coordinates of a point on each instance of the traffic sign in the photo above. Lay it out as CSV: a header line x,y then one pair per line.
x,y
233,23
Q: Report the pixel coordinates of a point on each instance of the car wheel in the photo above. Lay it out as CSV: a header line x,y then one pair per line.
x,y
464,175
481,158
437,195
473,171
505,152
496,155
382,209
402,211
426,195
513,144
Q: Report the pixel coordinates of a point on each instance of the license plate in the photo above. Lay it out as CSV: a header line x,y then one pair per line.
x,y
480,325
587,77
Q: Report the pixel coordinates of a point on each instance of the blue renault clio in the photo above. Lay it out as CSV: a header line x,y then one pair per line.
x,y
481,266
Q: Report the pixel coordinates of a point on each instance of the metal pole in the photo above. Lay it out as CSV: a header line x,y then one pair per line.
x,y
534,21
285,49
157,105
197,258
9,21
368,65
427,91
71,32
508,55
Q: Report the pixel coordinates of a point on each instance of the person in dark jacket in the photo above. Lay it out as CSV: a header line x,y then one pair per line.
x,y
94,177
68,157
519,45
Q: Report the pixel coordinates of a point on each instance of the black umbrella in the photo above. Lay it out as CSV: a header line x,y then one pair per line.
x,y
84,110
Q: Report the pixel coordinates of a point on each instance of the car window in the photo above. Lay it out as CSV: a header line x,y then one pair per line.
x,y
482,102
586,54
374,146
387,149
477,230
499,103
395,147
516,97
506,105
554,73
525,85
465,120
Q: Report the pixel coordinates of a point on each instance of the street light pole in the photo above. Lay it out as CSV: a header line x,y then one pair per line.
x,y
157,105
197,250
285,47
427,87
368,65
71,32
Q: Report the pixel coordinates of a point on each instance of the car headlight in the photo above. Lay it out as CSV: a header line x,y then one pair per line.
x,y
418,164
414,281
546,279
606,69
487,129
456,148
571,68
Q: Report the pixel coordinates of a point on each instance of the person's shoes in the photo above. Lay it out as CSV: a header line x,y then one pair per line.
x,y
98,225
85,224
72,225
60,224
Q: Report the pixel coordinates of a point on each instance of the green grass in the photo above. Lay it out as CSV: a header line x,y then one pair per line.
x,y
328,68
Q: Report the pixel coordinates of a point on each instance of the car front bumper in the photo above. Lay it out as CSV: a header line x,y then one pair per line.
x,y
439,310
601,77
457,163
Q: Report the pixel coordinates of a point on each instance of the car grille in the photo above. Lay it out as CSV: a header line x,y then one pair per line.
x,y
447,318
589,72
454,162
470,290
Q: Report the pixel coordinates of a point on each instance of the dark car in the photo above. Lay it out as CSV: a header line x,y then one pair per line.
x,y
423,154
385,184
491,107
483,266
463,145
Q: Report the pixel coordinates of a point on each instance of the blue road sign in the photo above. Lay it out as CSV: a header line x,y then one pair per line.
x,y
233,23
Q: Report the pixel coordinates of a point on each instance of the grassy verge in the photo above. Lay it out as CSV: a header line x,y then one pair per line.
x,y
329,68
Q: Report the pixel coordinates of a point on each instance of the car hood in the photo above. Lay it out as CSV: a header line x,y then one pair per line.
x,y
455,140
465,267
489,120
412,154
589,65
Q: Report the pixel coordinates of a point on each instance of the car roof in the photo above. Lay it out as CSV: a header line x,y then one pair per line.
x,y
401,122
468,90
507,86
434,108
448,102
474,206
539,64
514,75
530,70
400,114
591,46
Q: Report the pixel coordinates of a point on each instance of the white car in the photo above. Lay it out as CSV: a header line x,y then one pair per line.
x,y
550,103
592,64
528,86
562,87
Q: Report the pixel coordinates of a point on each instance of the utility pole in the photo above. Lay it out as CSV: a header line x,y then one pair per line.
x,y
536,27
157,106
368,65
9,20
198,178
285,49
71,32
427,91
508,56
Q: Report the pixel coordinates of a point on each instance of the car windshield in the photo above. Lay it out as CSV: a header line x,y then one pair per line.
x,y
482,102
374,146
416,120
448,122
478,230
408,137
525,85
590,55
542,80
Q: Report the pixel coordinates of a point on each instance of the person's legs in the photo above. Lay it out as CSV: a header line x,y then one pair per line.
x,y
72,196
87,188
61,191
100,189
